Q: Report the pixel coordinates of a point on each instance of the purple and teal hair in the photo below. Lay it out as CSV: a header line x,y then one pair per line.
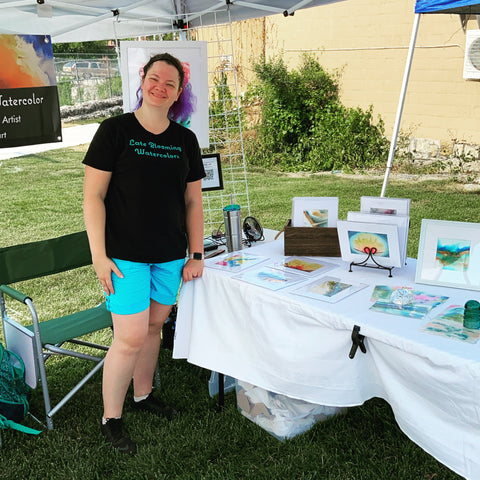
x,y
181,111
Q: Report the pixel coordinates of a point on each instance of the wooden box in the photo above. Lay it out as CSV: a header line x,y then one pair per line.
x,y
307,241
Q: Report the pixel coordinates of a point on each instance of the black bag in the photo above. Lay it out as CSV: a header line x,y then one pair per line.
x,y
14,392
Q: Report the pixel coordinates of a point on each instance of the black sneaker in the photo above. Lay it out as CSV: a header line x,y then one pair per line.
x,y
155,406
115,434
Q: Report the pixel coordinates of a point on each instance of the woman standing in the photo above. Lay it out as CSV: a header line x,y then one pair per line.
x,y
142,204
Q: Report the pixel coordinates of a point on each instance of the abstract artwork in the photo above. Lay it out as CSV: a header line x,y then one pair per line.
x,y
449,324
316,212
385,205
452,254
234,262
421,305
449,254
303,265
329,289
269,278
402,222
362,240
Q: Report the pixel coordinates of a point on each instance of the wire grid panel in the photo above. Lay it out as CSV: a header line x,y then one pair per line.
x,y
225,121
225,125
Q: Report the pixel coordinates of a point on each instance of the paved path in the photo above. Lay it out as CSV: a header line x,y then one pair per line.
x,y
71,136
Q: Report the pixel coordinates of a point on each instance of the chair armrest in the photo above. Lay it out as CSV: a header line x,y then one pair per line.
x,y
11,292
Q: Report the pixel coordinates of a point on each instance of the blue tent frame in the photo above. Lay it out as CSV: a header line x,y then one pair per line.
x,y
461,7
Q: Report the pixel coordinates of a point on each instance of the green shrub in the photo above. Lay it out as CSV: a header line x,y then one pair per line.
x,y
304,126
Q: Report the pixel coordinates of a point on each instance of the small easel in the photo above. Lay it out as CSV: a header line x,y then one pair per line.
x,y
371,251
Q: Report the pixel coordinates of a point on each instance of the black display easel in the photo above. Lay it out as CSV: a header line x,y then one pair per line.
x,y
371,251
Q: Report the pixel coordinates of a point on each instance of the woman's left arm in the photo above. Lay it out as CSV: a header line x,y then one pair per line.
x,y
194,223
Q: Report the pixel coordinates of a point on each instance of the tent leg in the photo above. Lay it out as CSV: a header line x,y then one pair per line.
x,y
396,127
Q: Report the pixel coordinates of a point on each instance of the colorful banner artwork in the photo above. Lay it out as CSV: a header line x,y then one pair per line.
x,y
29,105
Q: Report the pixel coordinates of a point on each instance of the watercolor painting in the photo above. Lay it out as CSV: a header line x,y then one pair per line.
x,y
361,241
329,289
423,303
449,324
315,218
27,61
304,265
370,241
383,211
234,262
401,221
270,278
453,254
449,254
385,205
314,212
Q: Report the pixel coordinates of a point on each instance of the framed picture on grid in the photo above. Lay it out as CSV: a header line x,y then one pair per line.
x,y
358,238
213,170
385,205
449,254
314,212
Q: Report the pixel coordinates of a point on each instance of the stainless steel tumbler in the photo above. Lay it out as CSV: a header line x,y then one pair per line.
x,y
233,227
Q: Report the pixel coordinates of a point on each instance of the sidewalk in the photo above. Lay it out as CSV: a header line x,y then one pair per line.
x,y
71,136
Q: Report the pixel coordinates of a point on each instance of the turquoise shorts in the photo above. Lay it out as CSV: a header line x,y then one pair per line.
x,y
142,282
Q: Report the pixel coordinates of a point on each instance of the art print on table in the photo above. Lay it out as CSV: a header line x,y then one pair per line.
x,y
268,277
235,261
449,324
385,205
316,212
305,266
357,239
401,221
421,305
449,254
329,289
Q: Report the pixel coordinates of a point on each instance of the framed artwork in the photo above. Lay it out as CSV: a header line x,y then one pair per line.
x,y
270,278
328,289
401,221
235,262
358,238
385,205
193,55
314,212
449,254
305,266
213,170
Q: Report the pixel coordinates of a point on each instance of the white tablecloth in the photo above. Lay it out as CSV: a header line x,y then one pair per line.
x,y
299,347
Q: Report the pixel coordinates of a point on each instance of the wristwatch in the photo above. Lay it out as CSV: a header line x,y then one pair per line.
x,y
196,256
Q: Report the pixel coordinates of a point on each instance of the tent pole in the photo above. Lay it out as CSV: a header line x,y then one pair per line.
x,y
401,102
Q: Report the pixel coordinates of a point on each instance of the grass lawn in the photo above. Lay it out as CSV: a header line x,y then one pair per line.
x,y
41,197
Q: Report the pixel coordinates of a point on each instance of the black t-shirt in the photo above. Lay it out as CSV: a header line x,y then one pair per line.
x,y
145,202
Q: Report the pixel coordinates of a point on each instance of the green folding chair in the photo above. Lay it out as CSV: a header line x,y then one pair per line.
x,y
39,340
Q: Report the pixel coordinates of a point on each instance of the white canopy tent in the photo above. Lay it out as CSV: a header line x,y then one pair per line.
x,y
461,7
74,21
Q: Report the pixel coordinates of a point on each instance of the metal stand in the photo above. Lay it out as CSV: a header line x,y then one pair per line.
x,y
221,391
370,256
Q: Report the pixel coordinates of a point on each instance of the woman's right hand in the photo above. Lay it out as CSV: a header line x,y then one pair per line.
x,y
103,268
